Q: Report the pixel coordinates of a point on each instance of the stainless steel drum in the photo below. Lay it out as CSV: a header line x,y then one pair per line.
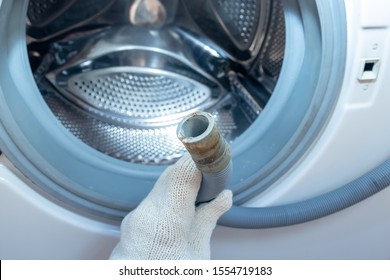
x,y
121,74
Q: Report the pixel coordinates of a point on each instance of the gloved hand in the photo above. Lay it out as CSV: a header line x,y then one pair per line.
x,y
166,224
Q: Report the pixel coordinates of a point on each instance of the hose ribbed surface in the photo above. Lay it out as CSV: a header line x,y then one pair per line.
x,y
311,209
214,183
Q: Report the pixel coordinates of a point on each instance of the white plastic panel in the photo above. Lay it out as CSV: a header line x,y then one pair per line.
x,y
34,227
357,135
359,232
373,13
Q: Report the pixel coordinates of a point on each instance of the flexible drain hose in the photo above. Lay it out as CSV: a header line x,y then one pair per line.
x,y
210,152
212,156
323,205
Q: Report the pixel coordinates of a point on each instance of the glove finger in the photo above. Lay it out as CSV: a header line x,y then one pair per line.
x,y
205,220
184,183
211,211
163,220
177,188
180,175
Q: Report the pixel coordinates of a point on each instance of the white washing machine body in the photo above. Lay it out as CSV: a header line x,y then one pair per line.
x,y
355,139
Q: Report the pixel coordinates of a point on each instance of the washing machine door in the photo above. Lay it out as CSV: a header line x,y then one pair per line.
x,y
90,94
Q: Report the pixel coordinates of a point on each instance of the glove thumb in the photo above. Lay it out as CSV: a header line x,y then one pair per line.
x,y
205,220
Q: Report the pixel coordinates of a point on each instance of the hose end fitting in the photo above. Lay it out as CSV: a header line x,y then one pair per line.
x,y
209,150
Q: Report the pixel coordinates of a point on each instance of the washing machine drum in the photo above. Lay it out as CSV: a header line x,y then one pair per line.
x,y
91,92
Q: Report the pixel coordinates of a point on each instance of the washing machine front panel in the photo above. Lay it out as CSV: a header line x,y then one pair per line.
x,y
354,141
355,138
64,152
348,146
34,227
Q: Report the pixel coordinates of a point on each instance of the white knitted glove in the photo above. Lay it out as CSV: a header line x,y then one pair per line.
x,y
166,224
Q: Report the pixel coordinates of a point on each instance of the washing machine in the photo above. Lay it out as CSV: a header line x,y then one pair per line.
x,y
91,93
